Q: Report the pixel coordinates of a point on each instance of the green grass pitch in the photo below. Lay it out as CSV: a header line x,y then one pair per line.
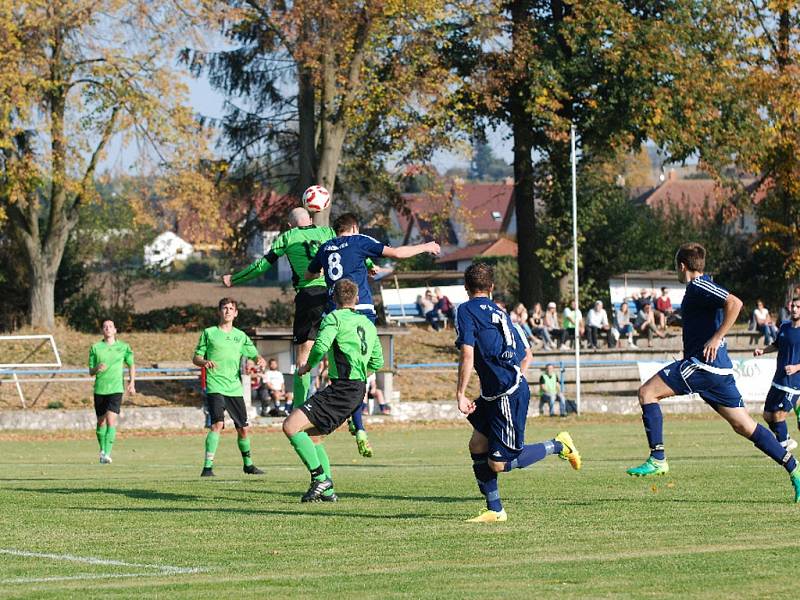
x,y
720,525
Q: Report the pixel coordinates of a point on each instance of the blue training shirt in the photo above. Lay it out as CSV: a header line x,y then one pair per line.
x,y
788,343
701,312
344,256
499,349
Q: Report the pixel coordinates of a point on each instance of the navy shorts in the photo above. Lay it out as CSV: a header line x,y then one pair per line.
x,y
502,421
779,400
685,377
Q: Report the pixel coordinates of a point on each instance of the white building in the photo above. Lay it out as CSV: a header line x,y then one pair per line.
x,y
166,249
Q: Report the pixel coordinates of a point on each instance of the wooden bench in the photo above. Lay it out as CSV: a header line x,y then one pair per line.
x,y
400,304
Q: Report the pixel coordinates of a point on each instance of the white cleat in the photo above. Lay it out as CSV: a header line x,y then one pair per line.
x,y
102,457
790,444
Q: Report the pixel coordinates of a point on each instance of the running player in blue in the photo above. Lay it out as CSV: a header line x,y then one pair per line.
x,y
708,312
785,390
344,257
488,341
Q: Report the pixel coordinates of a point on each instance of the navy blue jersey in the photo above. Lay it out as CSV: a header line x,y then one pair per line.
x,y
701,311
344,256
788,343
499,349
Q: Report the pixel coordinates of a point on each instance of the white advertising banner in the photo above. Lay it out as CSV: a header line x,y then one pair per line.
x,y
753,376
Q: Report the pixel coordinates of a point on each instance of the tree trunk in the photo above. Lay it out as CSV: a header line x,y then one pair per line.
x,y
307,124
42,294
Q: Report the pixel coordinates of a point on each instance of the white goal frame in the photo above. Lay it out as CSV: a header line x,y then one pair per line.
x,y
47,338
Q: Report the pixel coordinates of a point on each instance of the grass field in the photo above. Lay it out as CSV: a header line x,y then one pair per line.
x,y
721,525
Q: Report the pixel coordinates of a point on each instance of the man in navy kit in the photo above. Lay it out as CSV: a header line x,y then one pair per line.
x,y
785,389
708,312
344,257
488,341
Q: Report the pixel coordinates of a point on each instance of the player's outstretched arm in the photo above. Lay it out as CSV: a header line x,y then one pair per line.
x,y
402,252
465,363
730,312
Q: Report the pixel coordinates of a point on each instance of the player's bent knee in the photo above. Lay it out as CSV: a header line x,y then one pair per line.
x,y
497,467
216,427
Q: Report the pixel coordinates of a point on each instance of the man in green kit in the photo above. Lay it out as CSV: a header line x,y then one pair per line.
x,y
220,351
351,342
105,365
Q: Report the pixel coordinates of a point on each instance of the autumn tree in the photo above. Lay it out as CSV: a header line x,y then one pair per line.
x,y
75,74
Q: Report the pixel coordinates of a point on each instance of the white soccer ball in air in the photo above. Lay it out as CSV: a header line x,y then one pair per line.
x,y
316,198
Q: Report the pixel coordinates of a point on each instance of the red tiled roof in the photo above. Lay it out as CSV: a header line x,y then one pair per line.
x,y
498,247
479,200
701,198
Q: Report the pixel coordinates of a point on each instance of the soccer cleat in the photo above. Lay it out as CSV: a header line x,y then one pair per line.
x,y
252,470
364,447
490,516
649,467
332,497
102,457
790,445
106,459
570,451
316,489
795,476
207,472
351,427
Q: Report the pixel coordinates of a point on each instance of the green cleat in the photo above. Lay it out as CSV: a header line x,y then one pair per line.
x,y
795,476
650,467
351,426
364,447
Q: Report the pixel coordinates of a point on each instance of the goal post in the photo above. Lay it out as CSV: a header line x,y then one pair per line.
x,y
23,352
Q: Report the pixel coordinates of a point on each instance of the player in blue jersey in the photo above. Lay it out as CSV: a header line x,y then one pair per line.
x,y
784,392
708,312
344,257
488,342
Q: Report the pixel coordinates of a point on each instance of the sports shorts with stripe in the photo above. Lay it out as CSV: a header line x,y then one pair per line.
x,y
780,400
687,377
502,421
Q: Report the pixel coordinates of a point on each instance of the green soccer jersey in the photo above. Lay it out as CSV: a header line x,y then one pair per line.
x,y
113,356
226,349
351,342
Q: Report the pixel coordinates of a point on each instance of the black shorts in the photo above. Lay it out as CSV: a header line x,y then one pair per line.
x,y
104,403
219,403
309,305
330,407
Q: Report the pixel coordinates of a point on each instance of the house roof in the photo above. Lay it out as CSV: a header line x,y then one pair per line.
x,y
484,205
498,247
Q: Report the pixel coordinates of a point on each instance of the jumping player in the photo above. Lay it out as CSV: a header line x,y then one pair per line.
x,y
220,352
105,364
708,312
488,341
785,390
351,342
344,257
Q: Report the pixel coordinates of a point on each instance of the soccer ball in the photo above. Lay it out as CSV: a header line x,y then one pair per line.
x,y
316,198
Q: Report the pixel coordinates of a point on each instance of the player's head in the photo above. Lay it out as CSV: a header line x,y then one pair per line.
x,y
273,364
479,279
690,258
299,217
228,310
345,293
109,329
794,308
346,224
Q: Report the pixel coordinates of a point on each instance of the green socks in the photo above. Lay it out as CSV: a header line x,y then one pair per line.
x,y
307,452
244,448
212,441
300,387
324,461
111,435
101,436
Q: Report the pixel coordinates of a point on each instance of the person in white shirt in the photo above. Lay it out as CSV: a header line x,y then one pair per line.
x,y
572,323
273,382
596,321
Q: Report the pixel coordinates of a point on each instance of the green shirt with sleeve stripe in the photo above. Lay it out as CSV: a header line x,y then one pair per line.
x,y
113,356
351,342
226,349
299,245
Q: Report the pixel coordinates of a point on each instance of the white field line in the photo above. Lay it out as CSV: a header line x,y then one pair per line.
x,y
74,578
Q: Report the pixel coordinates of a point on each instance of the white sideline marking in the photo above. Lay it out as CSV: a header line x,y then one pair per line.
x,y
90,560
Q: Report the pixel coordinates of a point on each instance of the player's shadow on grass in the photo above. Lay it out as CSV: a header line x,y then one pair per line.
x,y
135,494
253,512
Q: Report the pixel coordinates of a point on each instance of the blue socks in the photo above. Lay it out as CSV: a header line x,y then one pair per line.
x,y
533,453
358,420
780,430
654,428
766,442
487,481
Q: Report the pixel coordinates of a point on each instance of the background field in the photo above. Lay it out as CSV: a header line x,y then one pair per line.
x,y
721,525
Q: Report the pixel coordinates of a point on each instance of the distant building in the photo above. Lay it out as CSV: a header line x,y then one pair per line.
x,y
461,258
166,249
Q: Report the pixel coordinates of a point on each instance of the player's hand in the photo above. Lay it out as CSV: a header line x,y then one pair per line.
x,y
465,405
434,248
758,352
791,369
210,364
131,389
101,367
261,362
303,369
226,280
710,349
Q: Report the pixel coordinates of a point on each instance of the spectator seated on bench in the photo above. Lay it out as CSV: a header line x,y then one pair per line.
x,y
399,304
427,309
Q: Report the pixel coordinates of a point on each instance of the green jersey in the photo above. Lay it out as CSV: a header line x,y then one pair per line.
x,y
226,349
351,342
113,356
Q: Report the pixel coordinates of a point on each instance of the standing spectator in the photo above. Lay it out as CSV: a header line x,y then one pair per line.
x,y
646,324
549,391
538,327
278,399
623,324
572,324
551,323
427,310
764,323
596,321
519,316
664,309
443,305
